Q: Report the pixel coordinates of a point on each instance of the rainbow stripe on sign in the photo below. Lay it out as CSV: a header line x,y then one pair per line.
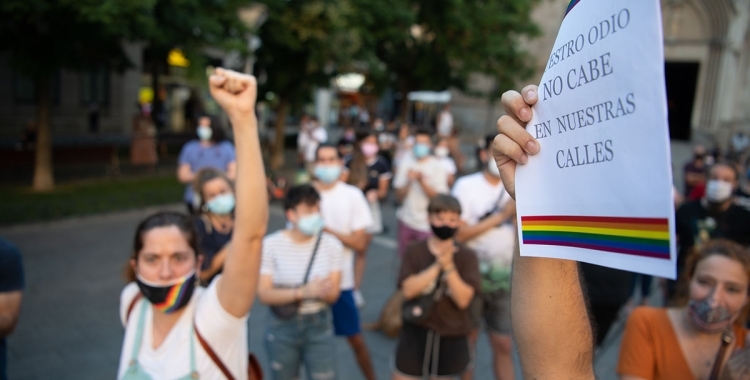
x,y
572,4
646,237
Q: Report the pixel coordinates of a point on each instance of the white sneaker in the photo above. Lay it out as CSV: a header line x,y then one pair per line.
x,y
358,299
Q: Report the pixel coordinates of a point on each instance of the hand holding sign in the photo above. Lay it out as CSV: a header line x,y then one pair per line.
x,y
600,189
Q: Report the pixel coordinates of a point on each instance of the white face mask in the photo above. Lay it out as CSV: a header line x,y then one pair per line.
x,y
441,151
492,167
718,191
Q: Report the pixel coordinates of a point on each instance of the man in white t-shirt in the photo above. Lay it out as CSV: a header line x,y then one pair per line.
x,y
488,212
347,216
445,122
416,182
443,154
317,135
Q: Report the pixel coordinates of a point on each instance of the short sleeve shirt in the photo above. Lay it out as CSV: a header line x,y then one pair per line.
x,y
376,171
446,318
224,333
650,348
286,262
210,240
345,210
11,279
413,211
218,156
494,248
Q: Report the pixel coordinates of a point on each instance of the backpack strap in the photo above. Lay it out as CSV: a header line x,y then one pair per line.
x,y
212,354
132,306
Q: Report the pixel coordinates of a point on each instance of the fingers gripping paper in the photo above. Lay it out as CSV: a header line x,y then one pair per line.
x,y
600,189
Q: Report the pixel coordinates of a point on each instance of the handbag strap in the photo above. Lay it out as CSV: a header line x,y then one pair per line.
x,y
132,305
309,265
215,358
726,340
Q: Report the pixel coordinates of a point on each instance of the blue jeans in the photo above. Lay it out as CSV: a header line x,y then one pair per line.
x,y
302,339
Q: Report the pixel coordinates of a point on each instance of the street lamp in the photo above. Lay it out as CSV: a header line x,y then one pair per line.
x,y
253,16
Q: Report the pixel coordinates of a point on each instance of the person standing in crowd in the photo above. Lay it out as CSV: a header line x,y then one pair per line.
x,y
416,182
404,147
694,172
488,227
739,144
445,122
347,217
209,151
442,152
742,194
435,343
174,329
696,340
215,221
369,172
303,139
299,278
11,294
317,135
713,216
143,143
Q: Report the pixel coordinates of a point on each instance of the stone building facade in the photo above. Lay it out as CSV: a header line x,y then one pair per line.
x,y
707,67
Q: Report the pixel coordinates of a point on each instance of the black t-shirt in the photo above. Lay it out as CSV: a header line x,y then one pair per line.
x,y
695,223
11,279
377,170
742,199
210,241
445,318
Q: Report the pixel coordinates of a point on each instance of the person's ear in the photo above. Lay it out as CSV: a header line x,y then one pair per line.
x,y
134,265
199,263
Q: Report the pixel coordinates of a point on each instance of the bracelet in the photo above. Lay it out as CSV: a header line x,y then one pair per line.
x,y
448,271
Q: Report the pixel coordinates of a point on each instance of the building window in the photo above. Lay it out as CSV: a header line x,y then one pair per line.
x,y
95,87
24,89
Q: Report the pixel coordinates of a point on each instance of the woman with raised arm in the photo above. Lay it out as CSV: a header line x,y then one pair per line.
x,y
174,329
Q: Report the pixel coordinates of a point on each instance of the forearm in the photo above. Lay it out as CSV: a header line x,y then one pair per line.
x,y
467,233
430,192
7,325
416,283
216,264
238,285
460,292
280,296
550,323
355,241
383,188
401,192
185,175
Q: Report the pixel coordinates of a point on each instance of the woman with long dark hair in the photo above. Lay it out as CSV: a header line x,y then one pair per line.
x,y
173,328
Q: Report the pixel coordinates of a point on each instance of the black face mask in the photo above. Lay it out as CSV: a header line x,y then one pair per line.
x,y
169,298
443,232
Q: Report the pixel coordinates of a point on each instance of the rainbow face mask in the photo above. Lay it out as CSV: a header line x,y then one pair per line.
x,y
171,297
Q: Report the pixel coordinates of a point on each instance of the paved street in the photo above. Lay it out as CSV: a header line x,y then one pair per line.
x,y
69,327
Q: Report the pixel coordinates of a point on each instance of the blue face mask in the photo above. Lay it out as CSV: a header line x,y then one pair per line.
x,y
327,174
204,133
421,150
310,224
222,204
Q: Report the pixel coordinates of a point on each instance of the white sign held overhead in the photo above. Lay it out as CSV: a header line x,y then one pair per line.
x,y
600,189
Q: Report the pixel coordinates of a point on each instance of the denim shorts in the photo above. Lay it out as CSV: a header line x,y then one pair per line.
x,y
304,339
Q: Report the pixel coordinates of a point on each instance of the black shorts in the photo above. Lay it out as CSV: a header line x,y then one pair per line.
x,y
452,357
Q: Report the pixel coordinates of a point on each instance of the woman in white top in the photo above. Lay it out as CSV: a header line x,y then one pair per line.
x,y
170,324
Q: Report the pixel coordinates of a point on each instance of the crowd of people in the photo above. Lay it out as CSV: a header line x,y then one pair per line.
x,y
456,238
193,277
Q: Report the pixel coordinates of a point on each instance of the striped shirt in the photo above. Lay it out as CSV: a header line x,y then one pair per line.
x,y
286,262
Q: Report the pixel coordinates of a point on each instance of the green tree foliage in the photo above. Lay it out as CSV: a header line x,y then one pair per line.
x,y
304,44
42,37
437,44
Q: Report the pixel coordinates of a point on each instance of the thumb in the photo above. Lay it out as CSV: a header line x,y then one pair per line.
x,y
216,80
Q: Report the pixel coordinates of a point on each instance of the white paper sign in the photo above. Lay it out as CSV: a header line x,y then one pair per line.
x,y
600,189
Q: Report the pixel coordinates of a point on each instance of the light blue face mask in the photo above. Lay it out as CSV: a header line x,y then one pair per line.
x,y
310,224
421,150
327,174
222,204
204,133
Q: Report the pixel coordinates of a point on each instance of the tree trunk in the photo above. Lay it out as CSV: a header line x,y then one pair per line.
x,y
403,87
43,177
277,157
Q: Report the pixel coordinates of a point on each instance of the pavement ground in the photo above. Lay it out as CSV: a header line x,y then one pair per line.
x,y
69,326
